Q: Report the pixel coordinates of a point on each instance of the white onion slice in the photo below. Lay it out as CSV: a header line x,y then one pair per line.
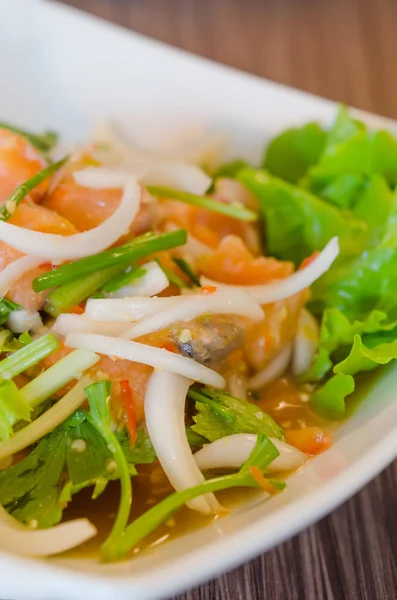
x,y
24,320
178,176
151,283
275,368
70,323
159,358
223,302
306,342
59,247
128,309
98,178
20,539
48,421
232,451
165,421
284,288
208,149
17,269
237,386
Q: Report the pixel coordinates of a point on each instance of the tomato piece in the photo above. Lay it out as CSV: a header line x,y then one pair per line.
x,y
311,440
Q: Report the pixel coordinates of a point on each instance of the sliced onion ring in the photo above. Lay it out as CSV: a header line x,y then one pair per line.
x,y
306,342
71,323
232,451
59,247
128,309
159,358
24,320
165,421
274,369
284,288
17,269
178,176
151,283
224,302
18,538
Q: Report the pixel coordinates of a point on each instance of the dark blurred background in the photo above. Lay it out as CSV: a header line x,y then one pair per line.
x,y
342,49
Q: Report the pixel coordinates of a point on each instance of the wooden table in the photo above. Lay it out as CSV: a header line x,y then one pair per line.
x,y
345,50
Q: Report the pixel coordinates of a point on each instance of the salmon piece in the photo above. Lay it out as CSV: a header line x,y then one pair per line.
x,y
233,263
115,370
207,226
87,208
19,161
37,218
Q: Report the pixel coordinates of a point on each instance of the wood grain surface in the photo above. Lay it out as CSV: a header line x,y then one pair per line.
x,y
345,50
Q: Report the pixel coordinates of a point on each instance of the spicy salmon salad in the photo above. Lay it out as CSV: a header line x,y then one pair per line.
x,y
178,335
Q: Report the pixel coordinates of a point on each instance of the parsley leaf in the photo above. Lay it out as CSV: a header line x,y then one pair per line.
x,y
219,415
40,485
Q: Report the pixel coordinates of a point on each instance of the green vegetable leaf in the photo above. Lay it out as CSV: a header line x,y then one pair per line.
x,y
13,408
194,439
290,155
362,358
219,415
297,223
329,399
73,457
230,169
337,333
350,148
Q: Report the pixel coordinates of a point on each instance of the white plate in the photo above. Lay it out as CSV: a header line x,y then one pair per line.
x,y
62,69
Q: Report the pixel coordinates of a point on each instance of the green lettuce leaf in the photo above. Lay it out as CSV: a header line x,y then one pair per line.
x,y
298,223
362,358
342,190
290,155
230,169
348,348
219,415
351,149
337,333
329,399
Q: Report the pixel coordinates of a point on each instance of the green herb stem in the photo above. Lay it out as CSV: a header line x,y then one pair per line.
x,y
154,517
98,395
44,142
28,356
231,210
130,275
122,255
7,307
187,269
25,188
172,277
53,379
